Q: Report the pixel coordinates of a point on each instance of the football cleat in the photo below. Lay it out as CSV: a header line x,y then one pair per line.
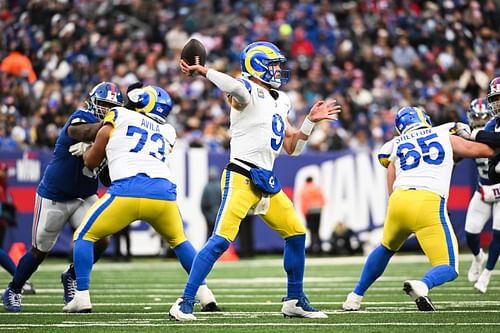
x,y
11,300
69,286
80,303
353,302
476,266
182,310
207,299
300,307
28,288
482,282
418,292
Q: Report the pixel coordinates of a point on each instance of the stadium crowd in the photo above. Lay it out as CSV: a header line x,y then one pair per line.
x,y
371,56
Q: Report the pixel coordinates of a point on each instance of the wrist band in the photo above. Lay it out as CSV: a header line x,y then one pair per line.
x,y
307,127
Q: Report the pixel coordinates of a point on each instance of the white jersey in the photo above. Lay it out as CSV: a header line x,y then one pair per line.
x,y
258,131
423,159
137,145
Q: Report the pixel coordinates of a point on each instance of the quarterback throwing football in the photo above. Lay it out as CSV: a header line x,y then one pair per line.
x,y
259,129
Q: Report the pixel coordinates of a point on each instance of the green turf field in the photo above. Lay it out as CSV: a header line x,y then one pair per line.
x,y
135,297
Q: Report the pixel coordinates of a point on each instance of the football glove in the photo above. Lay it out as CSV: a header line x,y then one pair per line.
x,y
462,130
78,149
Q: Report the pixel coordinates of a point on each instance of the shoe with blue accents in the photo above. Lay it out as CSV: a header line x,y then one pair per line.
x,y
11,300
182,310
300,307
69,286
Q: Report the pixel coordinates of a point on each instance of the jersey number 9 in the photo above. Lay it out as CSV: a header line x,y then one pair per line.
x,y
279,130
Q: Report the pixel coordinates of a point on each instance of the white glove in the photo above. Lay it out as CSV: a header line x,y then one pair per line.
x,y
79,148
89,173
135,95
463,130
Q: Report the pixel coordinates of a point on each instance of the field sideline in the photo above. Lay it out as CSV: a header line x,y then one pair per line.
x,y
133,297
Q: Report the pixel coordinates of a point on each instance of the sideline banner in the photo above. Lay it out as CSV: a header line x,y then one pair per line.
x,y
353,183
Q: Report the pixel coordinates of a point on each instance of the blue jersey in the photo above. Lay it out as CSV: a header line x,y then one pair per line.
x,y
493,125
63,179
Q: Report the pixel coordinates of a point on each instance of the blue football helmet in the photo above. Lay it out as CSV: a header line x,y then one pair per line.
x,y
493,96
158,104
410,118
478,113
103,97
258,60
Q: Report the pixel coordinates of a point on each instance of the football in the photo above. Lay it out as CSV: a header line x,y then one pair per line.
x,y
194,52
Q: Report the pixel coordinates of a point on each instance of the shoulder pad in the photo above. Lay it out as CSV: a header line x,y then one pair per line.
x,y
490,125
111,117
384,154
82,116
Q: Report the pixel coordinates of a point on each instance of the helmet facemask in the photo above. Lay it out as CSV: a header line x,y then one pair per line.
x,y
100,107
494,103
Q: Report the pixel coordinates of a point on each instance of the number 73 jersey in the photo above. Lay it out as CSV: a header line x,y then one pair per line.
x,y
138,144
423,159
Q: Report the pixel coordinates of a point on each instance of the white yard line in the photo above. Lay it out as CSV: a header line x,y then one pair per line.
x,y
106,266
394,311
294,324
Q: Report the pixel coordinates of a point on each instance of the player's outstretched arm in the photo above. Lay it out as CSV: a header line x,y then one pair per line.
x,y
224,82
295,140
83,131
97,151
465,148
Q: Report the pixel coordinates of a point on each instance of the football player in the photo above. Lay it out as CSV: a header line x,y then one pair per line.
x,y
136,141
419,164
260,129
491,136
66,192
482,206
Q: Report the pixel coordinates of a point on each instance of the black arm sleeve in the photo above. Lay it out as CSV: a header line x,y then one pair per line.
x,y
490,138
492,175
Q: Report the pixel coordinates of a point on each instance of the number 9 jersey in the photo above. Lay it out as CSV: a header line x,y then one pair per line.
x,y
138,145
258,131
423,159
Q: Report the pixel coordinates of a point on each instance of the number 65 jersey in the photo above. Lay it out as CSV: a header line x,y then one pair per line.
x,y
138,145
423,159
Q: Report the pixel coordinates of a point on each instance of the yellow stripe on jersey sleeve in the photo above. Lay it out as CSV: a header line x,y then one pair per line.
x,y
111,117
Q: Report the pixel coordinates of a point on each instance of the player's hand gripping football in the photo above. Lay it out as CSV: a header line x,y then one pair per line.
x,y
324,110
193,69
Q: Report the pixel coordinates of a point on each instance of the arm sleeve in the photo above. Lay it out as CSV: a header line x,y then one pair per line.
x,y
492,174
490,138
230,86
384,154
